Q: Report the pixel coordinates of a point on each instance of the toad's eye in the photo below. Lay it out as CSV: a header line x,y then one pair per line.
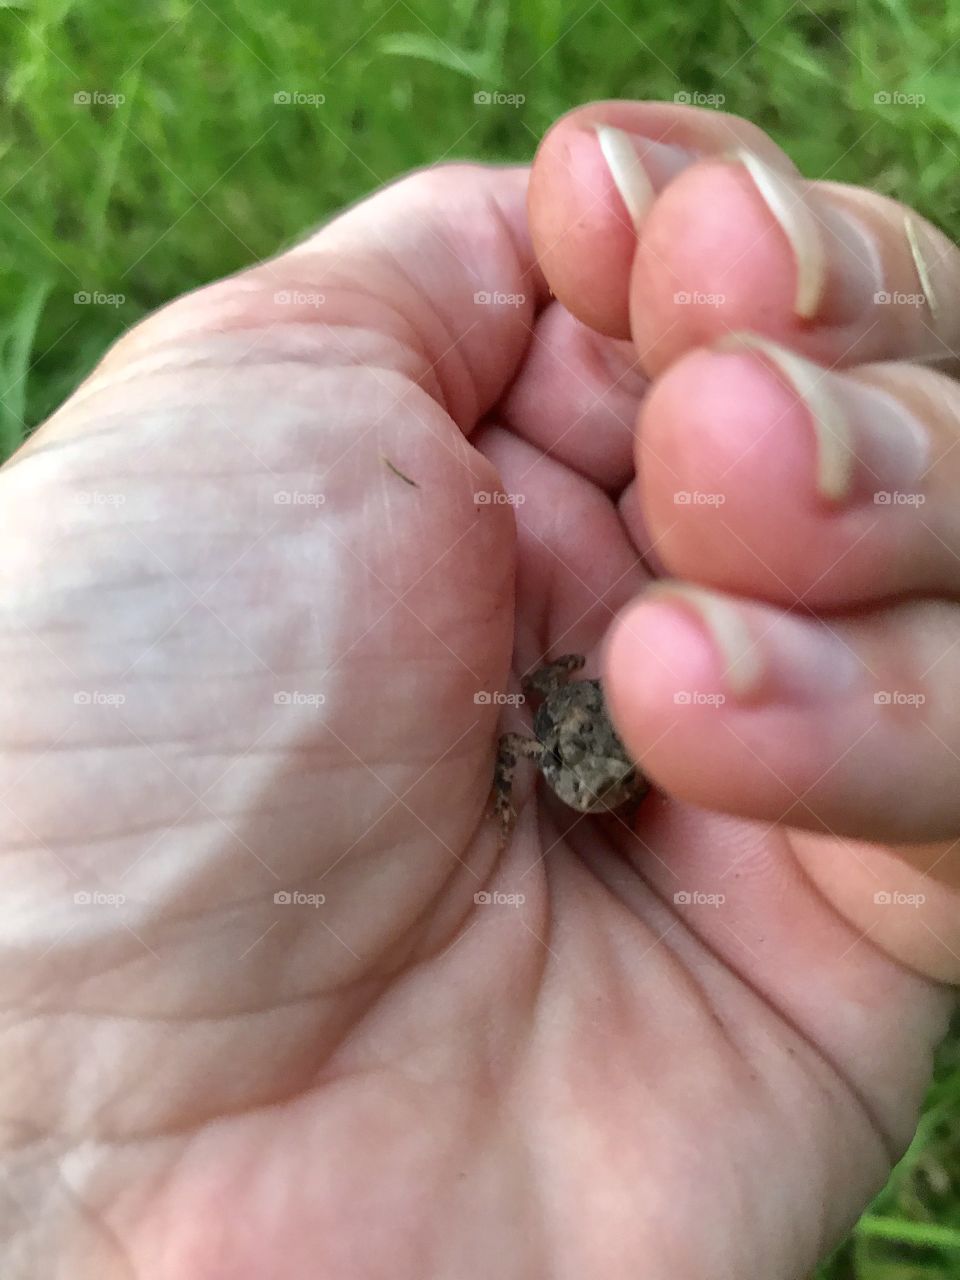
x,y
556,757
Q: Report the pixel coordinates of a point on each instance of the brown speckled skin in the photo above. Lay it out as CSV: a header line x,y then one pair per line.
x,y
583,760
576,747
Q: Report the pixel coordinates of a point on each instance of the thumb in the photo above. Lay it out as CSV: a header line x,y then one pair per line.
x,y
434,275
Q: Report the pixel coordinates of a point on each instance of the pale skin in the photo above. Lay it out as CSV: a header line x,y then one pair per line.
x,y
604,1078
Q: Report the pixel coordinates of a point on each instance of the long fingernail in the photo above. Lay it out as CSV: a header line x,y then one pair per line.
x,y
911,230
838,268
767,655
639,166
785,201
867,442
741,663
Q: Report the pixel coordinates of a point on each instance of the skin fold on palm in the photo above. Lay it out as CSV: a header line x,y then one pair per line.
x,y
276,1002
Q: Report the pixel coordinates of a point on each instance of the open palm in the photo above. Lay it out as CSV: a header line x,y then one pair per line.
x,y
280,1006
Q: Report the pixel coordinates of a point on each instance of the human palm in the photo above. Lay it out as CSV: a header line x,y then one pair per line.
x,y
266,560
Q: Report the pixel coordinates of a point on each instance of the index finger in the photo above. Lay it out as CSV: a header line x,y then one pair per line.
x,y
596,171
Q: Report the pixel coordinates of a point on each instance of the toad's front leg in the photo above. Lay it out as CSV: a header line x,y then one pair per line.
x,y
511,748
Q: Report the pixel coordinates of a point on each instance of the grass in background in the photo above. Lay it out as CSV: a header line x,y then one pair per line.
x,y
109,208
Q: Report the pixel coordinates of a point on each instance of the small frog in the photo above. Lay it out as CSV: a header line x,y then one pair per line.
x,y
576,747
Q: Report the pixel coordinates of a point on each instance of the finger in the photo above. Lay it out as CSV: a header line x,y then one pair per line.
x,y
576,568
590,190
838,273
576,398
844,726
767,475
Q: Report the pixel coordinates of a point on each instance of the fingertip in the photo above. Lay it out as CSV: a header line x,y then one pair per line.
x,y
709,262
582,232
656,655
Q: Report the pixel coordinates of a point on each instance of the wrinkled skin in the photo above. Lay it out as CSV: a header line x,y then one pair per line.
x,y
606,1077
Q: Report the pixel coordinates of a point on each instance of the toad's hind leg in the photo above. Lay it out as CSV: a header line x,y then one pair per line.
x,y
552,675
511,748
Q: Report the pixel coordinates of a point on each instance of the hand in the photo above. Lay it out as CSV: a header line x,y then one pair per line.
x,y
260,1022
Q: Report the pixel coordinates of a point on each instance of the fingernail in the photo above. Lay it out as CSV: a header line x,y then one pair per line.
x,y
740,657
785,201
867,442
912,232
768,655
639,166
838,266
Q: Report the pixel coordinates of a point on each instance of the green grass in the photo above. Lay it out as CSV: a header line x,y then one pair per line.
x,y
200,171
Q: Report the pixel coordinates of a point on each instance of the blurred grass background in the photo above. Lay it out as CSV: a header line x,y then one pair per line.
x,y
144,151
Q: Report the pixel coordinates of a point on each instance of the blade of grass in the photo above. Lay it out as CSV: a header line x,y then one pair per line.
x,y
16,350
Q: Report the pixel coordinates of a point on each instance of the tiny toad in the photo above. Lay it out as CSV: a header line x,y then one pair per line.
x,y
576,747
